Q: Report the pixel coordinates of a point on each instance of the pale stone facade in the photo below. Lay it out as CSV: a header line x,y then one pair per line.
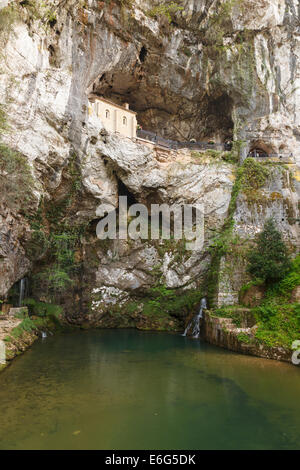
x,y
115,118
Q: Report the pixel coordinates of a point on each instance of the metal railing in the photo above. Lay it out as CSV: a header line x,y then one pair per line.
x,y
227,146
176,145
284,157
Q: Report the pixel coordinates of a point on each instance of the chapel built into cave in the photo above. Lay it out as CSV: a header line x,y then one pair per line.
x,y
114,117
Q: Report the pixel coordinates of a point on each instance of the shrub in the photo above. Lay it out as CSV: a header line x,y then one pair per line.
x,y
16,180
8,16
160,300
165,10
291,280
278,323
43,309
269,260
252,176
243,338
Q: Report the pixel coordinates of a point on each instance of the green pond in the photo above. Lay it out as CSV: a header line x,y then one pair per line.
x,y
125,389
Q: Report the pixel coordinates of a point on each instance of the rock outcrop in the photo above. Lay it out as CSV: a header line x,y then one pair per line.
x,y
205,71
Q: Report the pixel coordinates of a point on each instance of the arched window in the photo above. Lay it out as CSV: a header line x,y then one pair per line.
x,y
124,121
107,114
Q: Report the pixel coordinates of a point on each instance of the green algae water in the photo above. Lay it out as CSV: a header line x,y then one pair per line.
x,y
125,389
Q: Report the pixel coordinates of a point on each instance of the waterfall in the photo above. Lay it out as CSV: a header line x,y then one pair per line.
x,y
194,324
22,291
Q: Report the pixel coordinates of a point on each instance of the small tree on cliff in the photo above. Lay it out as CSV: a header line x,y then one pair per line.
x,y
269,260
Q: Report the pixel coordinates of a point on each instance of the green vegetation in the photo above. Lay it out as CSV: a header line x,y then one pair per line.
x,y
55,278
220,23
221,243
56,239
61,263
3,120
27,325
159,308
246,287
40,11
232,156
230,311
8,16
165,10
278,323
277,317
16,179
45,316
43,309
269,260
161,300
243,338
252,176
176,247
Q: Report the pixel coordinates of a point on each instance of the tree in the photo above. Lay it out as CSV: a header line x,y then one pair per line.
x,y
269,260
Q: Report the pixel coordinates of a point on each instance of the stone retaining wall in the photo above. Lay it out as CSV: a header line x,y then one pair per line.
x,y
222,332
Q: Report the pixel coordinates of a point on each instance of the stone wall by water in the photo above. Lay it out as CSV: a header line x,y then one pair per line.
x,y
223,333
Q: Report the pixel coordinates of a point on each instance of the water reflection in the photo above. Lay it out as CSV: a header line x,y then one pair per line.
x,y
127,389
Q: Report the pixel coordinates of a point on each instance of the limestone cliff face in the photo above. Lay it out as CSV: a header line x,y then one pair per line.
x,y
205,70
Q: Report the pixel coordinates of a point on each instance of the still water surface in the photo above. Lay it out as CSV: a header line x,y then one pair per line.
x,y
125,389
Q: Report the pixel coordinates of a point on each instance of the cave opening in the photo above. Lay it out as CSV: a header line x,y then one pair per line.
x,y
204,118
260,149
19,292
143,54
257,153
124,191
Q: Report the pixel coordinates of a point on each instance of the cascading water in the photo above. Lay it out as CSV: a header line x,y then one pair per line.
x,y
22,291
194,324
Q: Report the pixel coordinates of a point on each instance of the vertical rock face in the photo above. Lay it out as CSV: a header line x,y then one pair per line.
x,y
204,71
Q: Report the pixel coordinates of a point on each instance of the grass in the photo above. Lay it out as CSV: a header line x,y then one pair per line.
x,y
43,316
231,312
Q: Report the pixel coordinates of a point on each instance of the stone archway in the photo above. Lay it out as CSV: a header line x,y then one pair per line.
x,y
260,149
258,153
